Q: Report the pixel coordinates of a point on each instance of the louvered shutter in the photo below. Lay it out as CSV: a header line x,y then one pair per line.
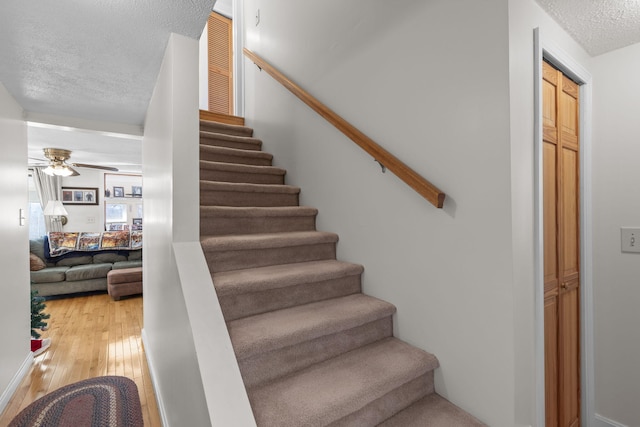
x,y
220,64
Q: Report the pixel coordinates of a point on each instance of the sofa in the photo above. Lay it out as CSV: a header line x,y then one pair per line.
x,y
75,271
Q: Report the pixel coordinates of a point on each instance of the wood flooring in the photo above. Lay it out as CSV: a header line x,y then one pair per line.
x,y
91,336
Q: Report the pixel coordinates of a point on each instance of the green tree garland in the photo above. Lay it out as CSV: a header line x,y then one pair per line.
x,y
38,317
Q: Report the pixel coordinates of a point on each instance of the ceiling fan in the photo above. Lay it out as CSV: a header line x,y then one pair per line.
x,y
58,165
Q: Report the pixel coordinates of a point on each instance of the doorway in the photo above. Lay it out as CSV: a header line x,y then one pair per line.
x,y
546,49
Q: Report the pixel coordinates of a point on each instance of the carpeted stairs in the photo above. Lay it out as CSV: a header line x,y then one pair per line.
x,y
313,350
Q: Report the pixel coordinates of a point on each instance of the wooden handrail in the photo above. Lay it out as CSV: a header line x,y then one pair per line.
x,y
382,156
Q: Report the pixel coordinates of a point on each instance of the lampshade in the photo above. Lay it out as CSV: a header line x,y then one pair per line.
x,y
54,207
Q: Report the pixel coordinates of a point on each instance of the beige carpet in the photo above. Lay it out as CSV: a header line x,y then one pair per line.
x,y
313,350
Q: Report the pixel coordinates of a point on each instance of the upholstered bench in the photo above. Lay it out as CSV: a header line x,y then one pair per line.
x,y
124,281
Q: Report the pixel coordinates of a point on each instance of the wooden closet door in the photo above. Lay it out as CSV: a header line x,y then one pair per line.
x,y
561,198
220,54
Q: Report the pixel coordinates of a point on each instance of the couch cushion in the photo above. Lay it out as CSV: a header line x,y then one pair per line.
x,y
108,257
126,264
35,262
75,260
49,275
37,247
89,271
135,255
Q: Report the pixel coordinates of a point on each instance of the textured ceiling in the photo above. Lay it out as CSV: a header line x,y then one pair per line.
x,y
91,59
99,59
599,26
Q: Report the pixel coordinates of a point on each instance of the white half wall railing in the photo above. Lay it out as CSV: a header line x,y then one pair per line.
x,y
224,390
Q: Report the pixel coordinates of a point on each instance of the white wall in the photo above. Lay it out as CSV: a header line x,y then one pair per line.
x,y
14,251
524,16
429,82
80,217
616,203
171,203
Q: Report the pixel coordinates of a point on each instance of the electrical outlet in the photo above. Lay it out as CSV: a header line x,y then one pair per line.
x,y
630,237
91,220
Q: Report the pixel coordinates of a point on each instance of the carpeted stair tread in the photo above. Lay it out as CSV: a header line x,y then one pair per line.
x,y
213,193
331,390
284,328
252,291
237,282
248,188
235,252
267,240
230,141
225,220
235,155
239,173
228,129
432,411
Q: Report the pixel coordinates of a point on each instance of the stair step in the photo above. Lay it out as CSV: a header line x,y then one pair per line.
x,y
225,253
354,385
225,220
253,291
432,411
235,155
230,141
280,342
236,194
210,126
229,172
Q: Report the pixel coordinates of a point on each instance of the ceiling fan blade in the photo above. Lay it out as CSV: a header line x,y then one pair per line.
x,y
83,165
75,172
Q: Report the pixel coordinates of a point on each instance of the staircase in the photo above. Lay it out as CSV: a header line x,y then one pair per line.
x,y
312,349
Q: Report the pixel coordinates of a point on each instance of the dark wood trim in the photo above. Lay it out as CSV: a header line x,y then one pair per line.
x,y
221,118
402,171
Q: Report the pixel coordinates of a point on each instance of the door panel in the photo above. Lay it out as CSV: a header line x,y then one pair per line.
x,y
550,228
550,360
561,199
570,356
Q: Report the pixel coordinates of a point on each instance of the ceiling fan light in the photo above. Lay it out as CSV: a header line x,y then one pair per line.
x,y
49,171
63,171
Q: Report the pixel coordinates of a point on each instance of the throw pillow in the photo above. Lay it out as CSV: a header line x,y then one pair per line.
x,y
35,263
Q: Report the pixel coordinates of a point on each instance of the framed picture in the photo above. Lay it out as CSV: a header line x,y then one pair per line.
x,y
136,223
136,191
80,195
118,191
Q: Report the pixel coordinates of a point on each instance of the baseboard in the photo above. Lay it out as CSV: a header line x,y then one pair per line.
x,y
156,389
606,422
15,382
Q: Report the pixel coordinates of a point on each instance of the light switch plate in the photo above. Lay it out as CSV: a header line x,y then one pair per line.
x,y
630,237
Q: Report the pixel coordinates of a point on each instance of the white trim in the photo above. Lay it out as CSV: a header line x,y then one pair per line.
x,y
238,57
601,421
546,49
154,380
7,394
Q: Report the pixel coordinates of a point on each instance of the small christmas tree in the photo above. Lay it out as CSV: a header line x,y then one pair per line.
x,y
37,316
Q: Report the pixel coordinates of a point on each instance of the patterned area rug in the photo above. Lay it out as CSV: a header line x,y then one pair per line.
x,y
96,402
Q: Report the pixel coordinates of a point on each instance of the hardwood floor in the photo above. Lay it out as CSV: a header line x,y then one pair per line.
x,y
90,336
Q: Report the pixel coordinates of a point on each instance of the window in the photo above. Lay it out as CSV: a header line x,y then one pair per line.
x,y
116,212
36,217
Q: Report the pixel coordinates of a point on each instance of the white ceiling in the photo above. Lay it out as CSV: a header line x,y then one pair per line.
x,y
599,26
98,60
93,60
